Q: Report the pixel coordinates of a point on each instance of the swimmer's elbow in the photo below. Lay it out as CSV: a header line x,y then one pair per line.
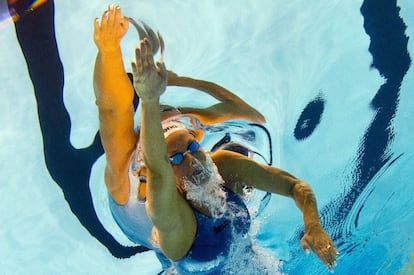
x,y
117,187
261,119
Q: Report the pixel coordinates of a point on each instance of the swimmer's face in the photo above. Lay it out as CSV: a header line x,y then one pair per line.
x,y
193,163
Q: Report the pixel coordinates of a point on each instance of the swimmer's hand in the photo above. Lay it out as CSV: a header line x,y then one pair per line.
x,y
316,239
150,80
108,34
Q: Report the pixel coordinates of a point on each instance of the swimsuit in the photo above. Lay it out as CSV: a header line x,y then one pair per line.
x,y
213,238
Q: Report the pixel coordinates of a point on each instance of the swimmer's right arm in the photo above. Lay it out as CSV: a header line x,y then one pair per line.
x,y
114,95
230,107
173,219
236,168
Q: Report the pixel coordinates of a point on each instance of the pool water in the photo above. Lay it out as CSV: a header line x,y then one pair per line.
x,y
333,78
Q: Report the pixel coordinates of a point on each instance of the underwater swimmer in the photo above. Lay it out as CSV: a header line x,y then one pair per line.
x,y
165,191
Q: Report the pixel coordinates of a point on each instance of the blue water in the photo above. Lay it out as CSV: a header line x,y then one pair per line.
x,y
333,78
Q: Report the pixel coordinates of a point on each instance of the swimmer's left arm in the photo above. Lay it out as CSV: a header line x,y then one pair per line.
x,y
237,169
114,94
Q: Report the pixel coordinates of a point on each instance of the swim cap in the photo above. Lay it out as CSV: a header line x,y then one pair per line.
x,y
171,126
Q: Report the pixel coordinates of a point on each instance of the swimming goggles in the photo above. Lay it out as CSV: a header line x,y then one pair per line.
x,y
178,158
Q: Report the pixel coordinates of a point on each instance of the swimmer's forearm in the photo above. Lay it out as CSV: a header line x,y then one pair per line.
x,y
231,103
113,89
306,201
152,138
114,96
314,237
216,91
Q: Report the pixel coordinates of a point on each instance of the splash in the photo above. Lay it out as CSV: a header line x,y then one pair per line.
x,y
205,189
250,257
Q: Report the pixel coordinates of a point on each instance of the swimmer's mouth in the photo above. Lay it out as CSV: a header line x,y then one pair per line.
x,y
199,174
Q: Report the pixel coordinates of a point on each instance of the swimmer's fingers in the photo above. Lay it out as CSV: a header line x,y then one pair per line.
x,y
110,31
305,245
149,55
146,33
146,57
162,70
117,16
143,57
152,37
111,16
134,68
97,29
153,44
120,22
108,18
137,65
322,245
104,20
328,256
162,45
141,32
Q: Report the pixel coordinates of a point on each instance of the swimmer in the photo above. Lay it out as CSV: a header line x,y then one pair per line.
x,y
165,191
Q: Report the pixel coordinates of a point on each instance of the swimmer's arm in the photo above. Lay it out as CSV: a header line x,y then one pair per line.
x,y
314,238
237,169
114,95
173,219
174,222
230,107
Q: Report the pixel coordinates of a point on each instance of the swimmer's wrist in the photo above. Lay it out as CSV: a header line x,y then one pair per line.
x,y
312,226
110,51
151,102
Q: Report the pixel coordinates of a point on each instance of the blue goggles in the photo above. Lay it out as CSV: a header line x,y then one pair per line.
x,y
178,158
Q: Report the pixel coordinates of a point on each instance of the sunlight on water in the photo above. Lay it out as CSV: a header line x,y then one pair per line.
x,y
18,9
